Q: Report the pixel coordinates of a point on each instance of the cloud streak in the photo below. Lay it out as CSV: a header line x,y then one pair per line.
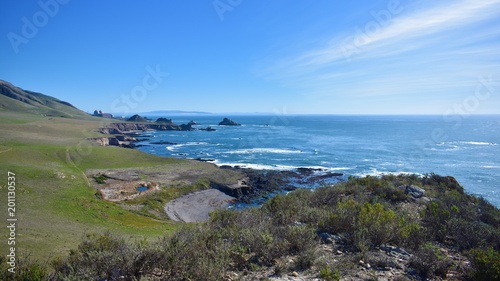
x,y
426,48
424,23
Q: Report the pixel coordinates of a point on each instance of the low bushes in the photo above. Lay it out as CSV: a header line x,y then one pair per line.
x,y
364,213
485,264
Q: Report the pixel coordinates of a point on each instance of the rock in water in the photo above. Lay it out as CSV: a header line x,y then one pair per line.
x,y
228,122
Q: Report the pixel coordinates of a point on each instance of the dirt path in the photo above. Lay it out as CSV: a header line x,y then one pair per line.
x,y
196,206
7,150
70,161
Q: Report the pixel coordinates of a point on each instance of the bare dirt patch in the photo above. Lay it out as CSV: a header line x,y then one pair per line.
x,y
125,184
157,184
196,206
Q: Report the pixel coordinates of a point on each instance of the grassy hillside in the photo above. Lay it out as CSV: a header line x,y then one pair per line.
x,y
55,203
13,98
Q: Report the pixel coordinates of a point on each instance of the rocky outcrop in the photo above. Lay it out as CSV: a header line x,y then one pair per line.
x,y
121,141
123,132
413,191
237,190
228,122
124,128
164,120
208,129
137,118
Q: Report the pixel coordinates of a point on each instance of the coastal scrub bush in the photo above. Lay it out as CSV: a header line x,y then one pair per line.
x,y
342,219
103,256
411,234
193,253
485,264
326,196
290,208
306,259
300,238
435,217
376,224
328,274
442,184
472,234
488,213
26,269
361,215
101,178
428,261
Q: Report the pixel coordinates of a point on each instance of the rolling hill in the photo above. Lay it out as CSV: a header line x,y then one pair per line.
x,y
13,98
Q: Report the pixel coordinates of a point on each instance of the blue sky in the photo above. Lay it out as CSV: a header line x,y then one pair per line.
x,y
328,57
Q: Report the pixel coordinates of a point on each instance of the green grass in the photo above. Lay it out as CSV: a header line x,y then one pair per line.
x,y
55,204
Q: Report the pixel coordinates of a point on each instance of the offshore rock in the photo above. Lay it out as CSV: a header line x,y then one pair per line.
x,y
228,122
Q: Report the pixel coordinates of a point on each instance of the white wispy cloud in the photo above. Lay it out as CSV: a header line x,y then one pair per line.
x,y
414,26
435,46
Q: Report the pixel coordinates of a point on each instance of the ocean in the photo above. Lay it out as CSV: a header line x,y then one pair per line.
x,y
465,147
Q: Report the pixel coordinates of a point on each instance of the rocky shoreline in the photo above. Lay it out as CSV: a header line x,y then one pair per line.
x,y
256,186
124,134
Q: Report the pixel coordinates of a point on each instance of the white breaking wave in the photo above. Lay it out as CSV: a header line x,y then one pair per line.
x,y
473,143
176,146
263,150
254,166
277,167
490,167
376,173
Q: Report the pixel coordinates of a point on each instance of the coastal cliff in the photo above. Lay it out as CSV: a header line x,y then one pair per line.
x,y
123,133
123,128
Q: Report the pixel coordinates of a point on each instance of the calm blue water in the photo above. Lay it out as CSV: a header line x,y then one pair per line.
x,y
466,147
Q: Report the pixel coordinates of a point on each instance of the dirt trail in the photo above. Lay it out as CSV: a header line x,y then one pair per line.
x,y
70,161
7,150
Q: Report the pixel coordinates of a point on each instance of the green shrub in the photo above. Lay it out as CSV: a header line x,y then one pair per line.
x,y
306,259
488,213
377,224
330,275
342,219
101,178
435,217
485,264
428,261
411,234
26,270
299,238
